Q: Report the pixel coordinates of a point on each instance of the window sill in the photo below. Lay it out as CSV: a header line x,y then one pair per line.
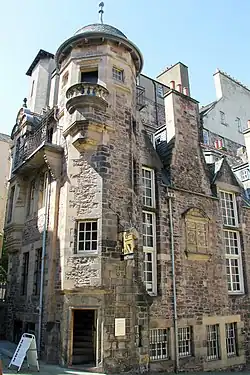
x,y
236,294
186,356
159,360
85,254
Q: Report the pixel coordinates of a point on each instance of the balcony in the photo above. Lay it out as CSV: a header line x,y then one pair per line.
x,y
37,149
87,96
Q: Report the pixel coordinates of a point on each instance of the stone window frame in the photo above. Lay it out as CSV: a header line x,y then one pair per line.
x,y
196,216
37,271
118,74
230,257
234,210
25,273
86,252
152,187
31,198
11,204
224,359
151,286
65,79
231,226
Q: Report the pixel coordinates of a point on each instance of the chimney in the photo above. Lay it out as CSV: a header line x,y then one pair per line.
x,y
177,73
172,85
183,129
218,82
179,87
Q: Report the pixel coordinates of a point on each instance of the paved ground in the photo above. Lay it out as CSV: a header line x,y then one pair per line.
x,y
7,350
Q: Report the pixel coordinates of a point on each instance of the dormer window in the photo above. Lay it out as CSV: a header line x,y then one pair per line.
x,y
244,174
118,74
90,76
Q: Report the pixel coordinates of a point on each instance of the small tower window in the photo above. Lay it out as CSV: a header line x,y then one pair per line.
x,y
89,77
118,74
65,79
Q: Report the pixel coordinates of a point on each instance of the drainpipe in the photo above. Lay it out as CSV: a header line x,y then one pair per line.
x,y
171,196
156,108
45,227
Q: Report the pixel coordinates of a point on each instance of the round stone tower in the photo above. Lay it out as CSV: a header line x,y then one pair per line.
x,y
99,197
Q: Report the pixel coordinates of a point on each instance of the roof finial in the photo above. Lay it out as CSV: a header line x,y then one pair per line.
x,y
101,11
25,102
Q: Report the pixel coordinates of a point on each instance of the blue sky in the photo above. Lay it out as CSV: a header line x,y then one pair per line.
x,y
202,34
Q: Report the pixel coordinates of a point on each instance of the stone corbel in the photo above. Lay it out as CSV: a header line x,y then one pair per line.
x,y
54,163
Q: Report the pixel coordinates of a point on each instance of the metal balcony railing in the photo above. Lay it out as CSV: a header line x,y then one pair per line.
x,y
140,97
31,143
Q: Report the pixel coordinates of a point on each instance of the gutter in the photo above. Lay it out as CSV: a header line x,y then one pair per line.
x,y
45,228
175,316
156,108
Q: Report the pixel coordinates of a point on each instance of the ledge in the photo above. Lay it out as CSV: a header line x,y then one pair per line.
x,y
197,256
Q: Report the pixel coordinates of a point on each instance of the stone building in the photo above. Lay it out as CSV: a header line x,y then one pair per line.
x,y
123,254
224,121
5,159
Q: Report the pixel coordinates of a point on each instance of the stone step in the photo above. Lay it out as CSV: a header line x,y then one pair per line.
x,y
82,344
81,338
79,358
83,351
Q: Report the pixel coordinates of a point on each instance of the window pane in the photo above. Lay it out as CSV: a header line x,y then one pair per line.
x,y
228,208
87,236
158,344
88,226
148,187
212,342
231,339
184,341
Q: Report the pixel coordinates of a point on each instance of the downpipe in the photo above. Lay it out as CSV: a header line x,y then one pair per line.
x,y
45,228
170,196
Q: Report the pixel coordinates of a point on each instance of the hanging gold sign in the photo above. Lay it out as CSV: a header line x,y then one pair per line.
x,y
128,248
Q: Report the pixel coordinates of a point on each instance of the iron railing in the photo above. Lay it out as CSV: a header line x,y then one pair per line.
x,y
31,143
140,97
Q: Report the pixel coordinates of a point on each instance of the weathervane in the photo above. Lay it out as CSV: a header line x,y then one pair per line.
x,y
101,11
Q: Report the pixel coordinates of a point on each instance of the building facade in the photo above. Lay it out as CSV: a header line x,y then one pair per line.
x,y
123,254
5,166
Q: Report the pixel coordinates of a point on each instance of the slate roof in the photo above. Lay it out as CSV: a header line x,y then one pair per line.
x,y
165,151
41,55
206,108
101,28
5,138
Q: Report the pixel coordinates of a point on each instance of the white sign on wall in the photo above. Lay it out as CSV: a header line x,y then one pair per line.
x,y
25,348
120,327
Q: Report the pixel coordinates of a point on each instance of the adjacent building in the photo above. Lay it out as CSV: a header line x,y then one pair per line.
x,y
5,166
127,250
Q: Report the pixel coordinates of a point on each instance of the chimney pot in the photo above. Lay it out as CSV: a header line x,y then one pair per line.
x,y
185,91
172,85
179,87
248,124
